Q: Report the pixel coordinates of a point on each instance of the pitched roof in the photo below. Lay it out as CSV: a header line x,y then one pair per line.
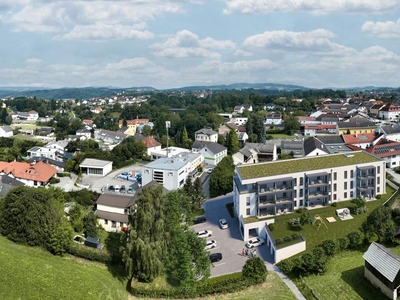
x,y
385,148
359,138
311,144
134,122
7,128
47,160
92,162
390,129
330,139
383,260
105,215
206,131
37,172
87,121
150,142
356,124
114,200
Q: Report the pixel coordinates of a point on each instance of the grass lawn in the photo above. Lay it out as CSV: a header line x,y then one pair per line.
x,y
273,288
282,136
335,230
344,279
32,273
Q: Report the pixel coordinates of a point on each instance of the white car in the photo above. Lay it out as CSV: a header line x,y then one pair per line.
x,y
223,223
204,233
211,244
210,170
254,242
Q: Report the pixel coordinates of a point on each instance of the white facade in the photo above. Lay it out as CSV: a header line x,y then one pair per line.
x,y
98,167
207,137
155,149
43,152
212,158
239,121
170,152
389,115
170,172
5,132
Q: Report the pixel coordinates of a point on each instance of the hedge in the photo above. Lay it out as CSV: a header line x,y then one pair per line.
x,y
102,256
218,285
63,174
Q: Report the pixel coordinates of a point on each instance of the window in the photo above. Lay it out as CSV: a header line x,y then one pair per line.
x,y
301,202
378,190
301,192
335,176
351,184
113,224
334,187
378,180
351,194
295,181
105,222
121,224
248,211
295,203
351,173
301,180
345,174
248,201
345,195
345,185
334,197
379,170
295,194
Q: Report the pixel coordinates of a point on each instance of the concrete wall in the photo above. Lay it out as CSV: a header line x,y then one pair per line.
x,y
259,226
377,283
286,252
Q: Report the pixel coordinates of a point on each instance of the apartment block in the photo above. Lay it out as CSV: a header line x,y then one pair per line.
x,y
280,187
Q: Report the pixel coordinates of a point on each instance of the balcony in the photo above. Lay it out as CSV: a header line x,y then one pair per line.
x,y
366,175
318,182
274,189
317,194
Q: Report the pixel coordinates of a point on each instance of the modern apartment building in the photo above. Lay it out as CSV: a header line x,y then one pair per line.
x,y
279,187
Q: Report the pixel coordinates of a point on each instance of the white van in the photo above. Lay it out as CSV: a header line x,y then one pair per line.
x,y
116,189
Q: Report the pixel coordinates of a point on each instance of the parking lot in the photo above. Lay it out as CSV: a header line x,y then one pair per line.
x,y
229,241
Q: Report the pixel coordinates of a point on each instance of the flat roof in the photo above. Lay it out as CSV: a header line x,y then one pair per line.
x,y
304,164
168,163
91,162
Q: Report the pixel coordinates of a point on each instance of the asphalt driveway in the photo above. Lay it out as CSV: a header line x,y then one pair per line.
x,y
229,241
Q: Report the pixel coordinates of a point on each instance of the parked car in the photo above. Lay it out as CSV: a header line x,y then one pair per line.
x,y
211,244
254,242
126,173
215,257
223,223
210,170
130,190
199,220
116,188
204,233
122,189
111,188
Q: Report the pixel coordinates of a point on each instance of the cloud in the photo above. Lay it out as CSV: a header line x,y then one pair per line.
x,y
315,41
236,66
387,29
188,44
106,32
241,52
130,64
310,6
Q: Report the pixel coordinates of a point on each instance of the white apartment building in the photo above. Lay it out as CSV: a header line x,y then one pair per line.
x,y
273,188
171,172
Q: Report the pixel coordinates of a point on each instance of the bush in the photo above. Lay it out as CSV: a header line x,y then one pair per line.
x,y
278,241
334,204
287,239
271,227
294,221
356,239
295,236
54,180
286,266
343,243
255,270
329,247
63,174
92,254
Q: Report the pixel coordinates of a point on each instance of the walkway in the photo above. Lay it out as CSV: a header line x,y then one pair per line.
x,y
286,280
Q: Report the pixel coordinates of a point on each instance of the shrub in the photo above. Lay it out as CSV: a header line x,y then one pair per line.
x,y
255,270
355,239
334,204
329,247
54,180
294,221
271,226
278,241
305,218
378,197
286,266
287,239
295,236
343,243
63,174
82,251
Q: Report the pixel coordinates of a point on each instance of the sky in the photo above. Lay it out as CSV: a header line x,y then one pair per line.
x,y
176,43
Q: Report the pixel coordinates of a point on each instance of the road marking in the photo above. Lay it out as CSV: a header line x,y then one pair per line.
x,y
217,265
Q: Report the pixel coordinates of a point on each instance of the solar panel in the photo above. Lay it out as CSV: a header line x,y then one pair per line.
x,y
362,137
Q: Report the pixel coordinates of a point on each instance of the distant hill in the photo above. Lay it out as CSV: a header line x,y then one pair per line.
x,y
243,86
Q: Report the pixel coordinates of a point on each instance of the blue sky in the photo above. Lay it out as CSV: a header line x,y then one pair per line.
x,y
175,43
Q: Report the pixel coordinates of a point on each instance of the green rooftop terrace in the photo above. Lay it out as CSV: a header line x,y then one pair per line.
x,y
304,164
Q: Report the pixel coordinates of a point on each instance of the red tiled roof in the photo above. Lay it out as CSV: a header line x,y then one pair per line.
x,y
359,138
385,148
40,171
319,126
150,142
304,118
134,122
87,121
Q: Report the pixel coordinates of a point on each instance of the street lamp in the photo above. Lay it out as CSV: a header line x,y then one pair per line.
x,y
167,126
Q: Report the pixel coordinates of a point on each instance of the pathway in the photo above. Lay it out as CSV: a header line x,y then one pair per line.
x,y
286,280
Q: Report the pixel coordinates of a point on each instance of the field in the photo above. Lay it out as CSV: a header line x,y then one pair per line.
x,y
344,279
31,273
340,228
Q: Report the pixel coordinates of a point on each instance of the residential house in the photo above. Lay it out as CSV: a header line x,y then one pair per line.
x,y
206,135
273,119
294,147
312,129
167,152
59,165
254,153
213,152
113,210
109,137
241,108
390,132
96,110
151,144
333,143
382,269
363,140
387,150
132,125
6,131
139,127
45,131
25,116
131,131
355,127
314,147
33,174
374,110
84,132
280,187
389,112
239,121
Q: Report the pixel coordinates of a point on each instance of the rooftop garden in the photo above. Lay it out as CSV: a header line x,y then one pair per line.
x,y
304,164
334,230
